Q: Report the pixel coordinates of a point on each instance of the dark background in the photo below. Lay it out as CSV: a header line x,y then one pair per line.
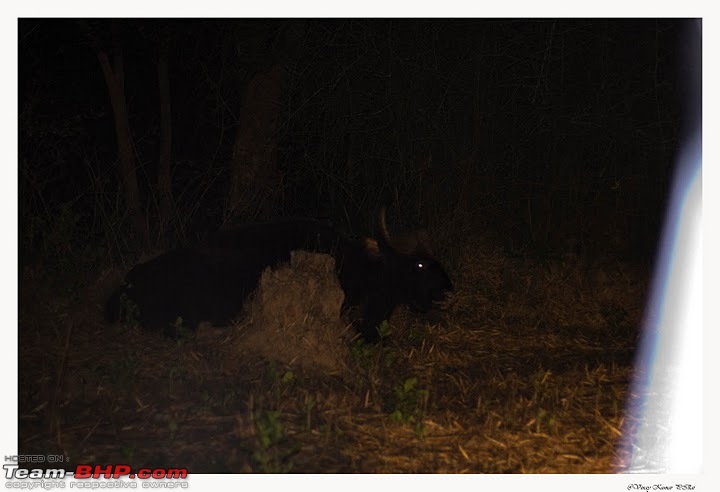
x,y
551,136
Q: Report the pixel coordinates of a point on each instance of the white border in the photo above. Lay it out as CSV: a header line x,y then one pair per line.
x,y
378,8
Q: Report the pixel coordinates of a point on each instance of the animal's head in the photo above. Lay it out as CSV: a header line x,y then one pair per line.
x,y
417,278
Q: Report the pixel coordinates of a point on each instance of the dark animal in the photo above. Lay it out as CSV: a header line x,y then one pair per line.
x,y
378,275
210,283
184,287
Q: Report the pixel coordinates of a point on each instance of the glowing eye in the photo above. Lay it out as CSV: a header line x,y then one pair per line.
x,y
420,265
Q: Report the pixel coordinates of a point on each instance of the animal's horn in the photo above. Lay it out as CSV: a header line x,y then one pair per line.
x,y
382,226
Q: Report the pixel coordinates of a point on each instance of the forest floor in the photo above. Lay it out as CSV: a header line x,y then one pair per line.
x,y
526,371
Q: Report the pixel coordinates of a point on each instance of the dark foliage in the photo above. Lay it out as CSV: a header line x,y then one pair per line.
x,y
555,135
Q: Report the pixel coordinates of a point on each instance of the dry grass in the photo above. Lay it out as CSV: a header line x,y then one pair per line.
x,y
527,371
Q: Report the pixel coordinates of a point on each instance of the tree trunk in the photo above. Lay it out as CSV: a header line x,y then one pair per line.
x,y
114,78
255,180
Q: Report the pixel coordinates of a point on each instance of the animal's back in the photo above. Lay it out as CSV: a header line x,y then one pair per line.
x,y
211,282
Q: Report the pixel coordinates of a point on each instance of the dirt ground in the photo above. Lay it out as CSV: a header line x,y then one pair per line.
x,y
525,371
